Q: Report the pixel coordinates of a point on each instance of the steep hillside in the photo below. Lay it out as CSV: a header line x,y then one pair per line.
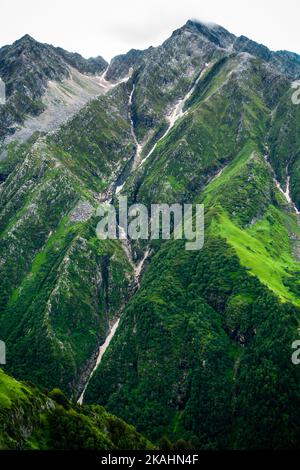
x,y
59,298
35,420
202,326
204,348
201,342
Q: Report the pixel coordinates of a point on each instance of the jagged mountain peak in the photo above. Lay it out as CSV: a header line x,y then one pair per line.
x,y
26,38
211,31
28,45
92,65
192,40
27,66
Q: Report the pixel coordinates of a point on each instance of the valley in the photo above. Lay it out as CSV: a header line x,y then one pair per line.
x,y
150,345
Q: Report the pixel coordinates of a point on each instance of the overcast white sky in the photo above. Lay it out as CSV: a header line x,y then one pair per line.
x,y
111,27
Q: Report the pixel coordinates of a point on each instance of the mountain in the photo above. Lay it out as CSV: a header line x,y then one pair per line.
x,y
27,67
35,420
200,343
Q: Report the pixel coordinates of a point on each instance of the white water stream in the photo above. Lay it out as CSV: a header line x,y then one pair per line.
x,y
102,350
287,193
137,273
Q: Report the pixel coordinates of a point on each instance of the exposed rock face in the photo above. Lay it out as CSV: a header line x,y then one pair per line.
x,y
247,45
93,65
82,212
60,100
26,67
121,64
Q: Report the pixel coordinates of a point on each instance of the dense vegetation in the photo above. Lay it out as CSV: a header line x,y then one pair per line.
x,y
219,343
31,419
205,345
202,354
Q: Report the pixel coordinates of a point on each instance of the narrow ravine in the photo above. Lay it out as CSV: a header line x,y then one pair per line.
x,y
139,147
172,118
176,113
102,350
135,285
287,192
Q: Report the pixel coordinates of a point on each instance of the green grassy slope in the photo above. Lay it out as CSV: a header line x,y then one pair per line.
x,y
255,220
35,420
